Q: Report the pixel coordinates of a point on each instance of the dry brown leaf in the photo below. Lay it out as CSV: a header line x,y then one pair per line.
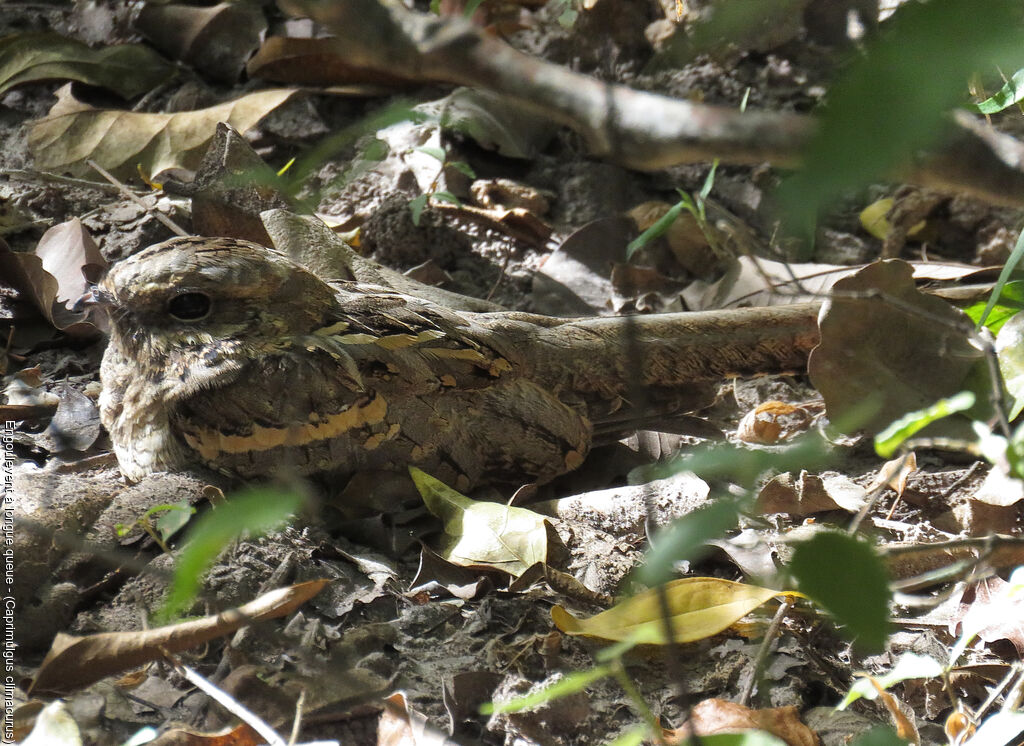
x,y
66,251
122,141
684,237
887,349
75,662
517,222
401,725
994,612
713,716
810,493
761,282
894,474
765,424
216,40
237,735
314,62
905,727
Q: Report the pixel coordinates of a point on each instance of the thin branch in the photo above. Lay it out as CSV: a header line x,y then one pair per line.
x,y
634,128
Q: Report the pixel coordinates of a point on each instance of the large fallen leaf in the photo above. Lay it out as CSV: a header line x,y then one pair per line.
x,y
215,40
699,608
127,69
482,534
121,141
75,662
887,349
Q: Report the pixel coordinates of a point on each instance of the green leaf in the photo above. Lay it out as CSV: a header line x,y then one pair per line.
x,y
251,512
484,534
1011,93
416,206
574,682
632,737
845,576
709,181
471,7
686,539
127,69
739,464
1004,278
891,438
446,197
438,153
747,738
881,735
894,99
655,231
568,17
1010,301
463,167
174,518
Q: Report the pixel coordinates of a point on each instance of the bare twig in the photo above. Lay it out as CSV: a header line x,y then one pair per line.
x,y
126,192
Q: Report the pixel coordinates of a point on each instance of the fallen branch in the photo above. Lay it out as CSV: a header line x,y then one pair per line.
x,y
634,128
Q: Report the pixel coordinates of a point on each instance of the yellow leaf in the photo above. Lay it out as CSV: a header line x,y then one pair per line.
x,y
874,220
699,608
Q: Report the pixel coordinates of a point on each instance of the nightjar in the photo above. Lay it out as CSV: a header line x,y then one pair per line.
x,y
230,356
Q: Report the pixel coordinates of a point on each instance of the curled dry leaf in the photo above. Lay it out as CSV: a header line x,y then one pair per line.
x,y
895,473
127,69
772,422
53,278
713,716
122,141
68,253
216,40
75,662
576,279
75,425
517,222
810,493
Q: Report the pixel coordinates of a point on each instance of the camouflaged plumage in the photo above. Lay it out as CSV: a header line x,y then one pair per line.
x,y
286,371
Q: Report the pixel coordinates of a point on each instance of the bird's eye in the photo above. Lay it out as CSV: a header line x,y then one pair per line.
x,y
189,306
